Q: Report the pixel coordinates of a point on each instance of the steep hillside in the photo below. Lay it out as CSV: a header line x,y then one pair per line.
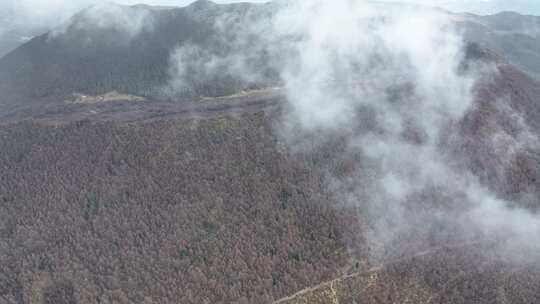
x,y
515,36
505,111
11,39
94,53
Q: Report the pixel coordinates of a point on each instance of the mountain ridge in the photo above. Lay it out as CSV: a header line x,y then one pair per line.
x,y
91,60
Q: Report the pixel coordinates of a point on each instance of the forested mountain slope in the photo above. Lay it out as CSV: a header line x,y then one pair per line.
x,y
515,36
114,191
94,57
160,209
165,211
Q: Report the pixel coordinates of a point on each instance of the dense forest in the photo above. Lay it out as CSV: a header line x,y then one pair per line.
x,y
209,211
219,209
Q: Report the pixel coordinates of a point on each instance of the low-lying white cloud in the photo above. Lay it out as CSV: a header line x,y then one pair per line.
x,y
404,67
127,22
390,81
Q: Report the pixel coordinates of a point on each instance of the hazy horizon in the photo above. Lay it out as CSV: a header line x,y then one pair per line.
x,y
22,19
43,13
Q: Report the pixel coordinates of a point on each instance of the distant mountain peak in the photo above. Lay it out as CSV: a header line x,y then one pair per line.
x,y
202,4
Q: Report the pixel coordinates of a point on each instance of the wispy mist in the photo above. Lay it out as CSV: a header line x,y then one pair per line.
x,y
394,84
126,22
22,19
403,69
240,52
